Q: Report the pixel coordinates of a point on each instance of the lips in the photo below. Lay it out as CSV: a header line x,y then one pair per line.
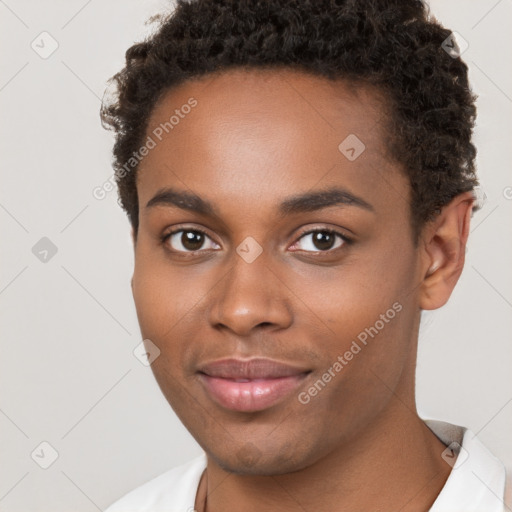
x,y
250,385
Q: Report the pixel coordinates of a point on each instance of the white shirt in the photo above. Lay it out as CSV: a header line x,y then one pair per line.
x,y
476,482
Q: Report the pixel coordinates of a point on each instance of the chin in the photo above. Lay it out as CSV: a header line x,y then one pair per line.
x,y
251,460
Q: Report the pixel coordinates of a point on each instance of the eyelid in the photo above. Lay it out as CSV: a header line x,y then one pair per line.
x,y
339,232
179,228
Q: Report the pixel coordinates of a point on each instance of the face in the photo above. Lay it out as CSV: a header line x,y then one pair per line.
x,y
275,270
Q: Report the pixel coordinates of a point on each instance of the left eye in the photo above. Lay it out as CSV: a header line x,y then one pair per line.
x,y
321,240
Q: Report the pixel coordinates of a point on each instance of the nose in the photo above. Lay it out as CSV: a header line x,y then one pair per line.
x,y
250,296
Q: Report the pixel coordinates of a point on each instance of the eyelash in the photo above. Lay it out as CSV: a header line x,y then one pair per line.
x,y
346,240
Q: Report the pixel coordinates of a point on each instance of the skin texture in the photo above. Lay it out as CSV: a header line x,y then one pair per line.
x,y
254,139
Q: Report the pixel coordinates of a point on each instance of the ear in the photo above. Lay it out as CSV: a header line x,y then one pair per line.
x,y
443,244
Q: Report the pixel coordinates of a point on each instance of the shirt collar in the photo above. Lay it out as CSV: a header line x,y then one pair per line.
x,y
477,479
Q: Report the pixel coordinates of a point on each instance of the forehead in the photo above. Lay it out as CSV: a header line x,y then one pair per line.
x,y
264,134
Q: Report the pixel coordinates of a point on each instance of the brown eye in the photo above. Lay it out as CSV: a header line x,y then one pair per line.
x,y
188,240
321,240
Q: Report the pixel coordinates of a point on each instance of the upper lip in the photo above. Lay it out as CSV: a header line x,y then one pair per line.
x,y
257,368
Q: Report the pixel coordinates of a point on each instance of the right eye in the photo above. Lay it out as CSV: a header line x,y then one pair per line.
x,y
187,240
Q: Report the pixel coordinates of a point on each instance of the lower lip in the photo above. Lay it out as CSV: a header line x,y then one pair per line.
x,y
252,396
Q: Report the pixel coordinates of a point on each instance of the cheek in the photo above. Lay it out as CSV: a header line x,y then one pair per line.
x,y
169,301
347,302
164,300
163,294
366,314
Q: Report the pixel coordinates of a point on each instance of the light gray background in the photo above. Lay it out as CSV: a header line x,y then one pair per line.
x,y
68,374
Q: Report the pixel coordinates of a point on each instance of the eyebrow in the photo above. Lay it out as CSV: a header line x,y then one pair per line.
x,y
307,202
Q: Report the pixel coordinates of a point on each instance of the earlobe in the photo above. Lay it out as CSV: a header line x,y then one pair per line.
x,y
444,248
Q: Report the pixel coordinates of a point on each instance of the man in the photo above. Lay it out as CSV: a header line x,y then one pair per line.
x,y
299,178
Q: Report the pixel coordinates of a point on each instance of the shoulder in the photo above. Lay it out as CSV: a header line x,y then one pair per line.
x,y
172,491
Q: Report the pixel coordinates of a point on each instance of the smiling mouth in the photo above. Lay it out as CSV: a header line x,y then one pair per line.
x,y
250,395
250,385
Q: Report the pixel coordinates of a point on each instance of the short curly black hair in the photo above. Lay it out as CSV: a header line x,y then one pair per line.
x,y
394,45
